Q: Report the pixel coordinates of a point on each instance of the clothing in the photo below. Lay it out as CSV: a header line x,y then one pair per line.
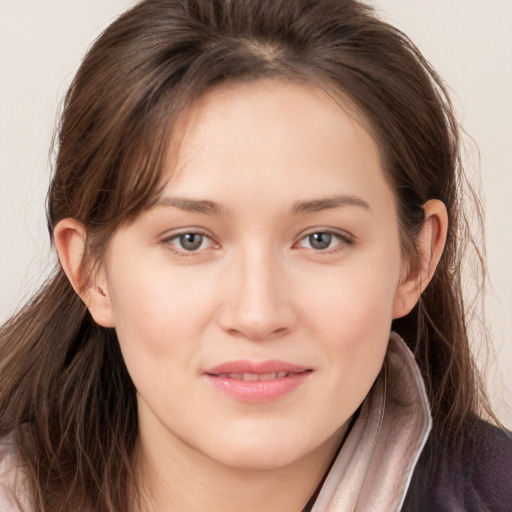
x,y
376,468
480,479
377,465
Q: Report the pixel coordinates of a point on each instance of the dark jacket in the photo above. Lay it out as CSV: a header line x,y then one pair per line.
x,y
480,478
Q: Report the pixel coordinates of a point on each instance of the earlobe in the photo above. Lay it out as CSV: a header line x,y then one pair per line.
x,y
430,245
70,236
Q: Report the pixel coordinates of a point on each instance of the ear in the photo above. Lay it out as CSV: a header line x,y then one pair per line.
x,y
70,236
431,242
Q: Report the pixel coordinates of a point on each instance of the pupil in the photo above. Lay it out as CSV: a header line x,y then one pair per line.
x,y
320,240
191,241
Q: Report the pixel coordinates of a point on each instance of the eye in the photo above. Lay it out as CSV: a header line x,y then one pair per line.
x,y
320,241
188,242
191,241
323,240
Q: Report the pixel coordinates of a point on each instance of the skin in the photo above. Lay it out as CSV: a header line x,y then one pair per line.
x,y
255,289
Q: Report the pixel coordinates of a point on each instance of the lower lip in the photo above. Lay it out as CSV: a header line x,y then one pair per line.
x,y
259,390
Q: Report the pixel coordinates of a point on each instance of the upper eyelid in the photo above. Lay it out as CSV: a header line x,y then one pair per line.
x,y
168,235
345,235
345,241
170,241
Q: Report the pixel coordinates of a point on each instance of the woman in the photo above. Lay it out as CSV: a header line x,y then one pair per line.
x,y
248,198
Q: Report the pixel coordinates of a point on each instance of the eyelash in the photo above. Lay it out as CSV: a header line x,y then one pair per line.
x,y
169,242
343,240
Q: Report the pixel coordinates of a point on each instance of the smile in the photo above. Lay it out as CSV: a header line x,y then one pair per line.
x,y
257,382
248,377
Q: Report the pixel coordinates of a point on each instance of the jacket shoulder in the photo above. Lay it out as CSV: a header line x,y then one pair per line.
x,y
487,466
478,479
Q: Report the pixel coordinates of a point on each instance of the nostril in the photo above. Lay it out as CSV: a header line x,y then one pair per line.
x,y
271,334
257,335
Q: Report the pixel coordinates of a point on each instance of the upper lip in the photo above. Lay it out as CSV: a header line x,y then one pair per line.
x,y
256,367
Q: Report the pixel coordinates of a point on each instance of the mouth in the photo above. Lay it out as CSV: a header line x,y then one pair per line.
x,y
248,381
252,377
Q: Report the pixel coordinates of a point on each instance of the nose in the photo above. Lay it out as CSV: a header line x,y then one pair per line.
x,y
258,304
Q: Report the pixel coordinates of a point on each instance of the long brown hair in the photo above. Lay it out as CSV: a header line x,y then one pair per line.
x,y
66,396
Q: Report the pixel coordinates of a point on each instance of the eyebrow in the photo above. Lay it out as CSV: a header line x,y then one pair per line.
x,y
207,207
326,203
191,205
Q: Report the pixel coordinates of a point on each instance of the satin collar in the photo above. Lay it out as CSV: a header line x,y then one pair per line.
x,y
375,464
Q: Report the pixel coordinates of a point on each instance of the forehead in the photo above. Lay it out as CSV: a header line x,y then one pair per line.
x,y
283,138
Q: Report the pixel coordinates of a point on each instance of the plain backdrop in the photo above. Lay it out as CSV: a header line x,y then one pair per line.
x,y
469,42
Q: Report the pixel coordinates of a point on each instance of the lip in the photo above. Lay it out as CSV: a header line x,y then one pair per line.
x,y
251,381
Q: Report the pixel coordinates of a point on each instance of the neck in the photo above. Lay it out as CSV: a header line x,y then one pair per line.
x,y
176,477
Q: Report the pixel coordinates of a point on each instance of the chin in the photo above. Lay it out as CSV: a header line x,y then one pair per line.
x,y
258,460
267,451
258,454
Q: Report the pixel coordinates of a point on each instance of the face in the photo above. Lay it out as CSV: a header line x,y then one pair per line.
x,y
253,301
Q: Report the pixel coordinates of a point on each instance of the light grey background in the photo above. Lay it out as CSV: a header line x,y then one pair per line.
x,y
41,43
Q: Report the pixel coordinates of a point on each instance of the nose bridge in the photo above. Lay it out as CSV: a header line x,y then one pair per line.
x,y
258,305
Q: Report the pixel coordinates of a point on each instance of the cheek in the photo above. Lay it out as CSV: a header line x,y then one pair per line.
x,y
157,310
159,318
354,347
351,313
358,299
